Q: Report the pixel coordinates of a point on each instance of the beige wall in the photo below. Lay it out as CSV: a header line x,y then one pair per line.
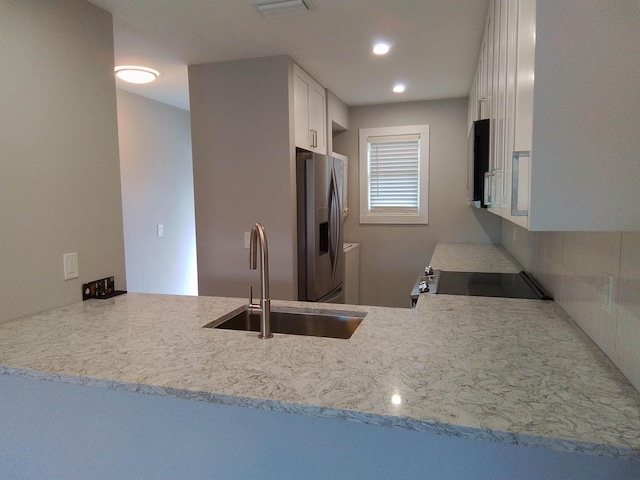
x,y
243,171
570,266
59,169
391,257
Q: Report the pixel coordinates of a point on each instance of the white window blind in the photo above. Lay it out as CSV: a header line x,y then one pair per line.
x,y
394,174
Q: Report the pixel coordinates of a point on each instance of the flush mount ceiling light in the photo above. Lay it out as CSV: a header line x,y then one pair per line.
x,y
284,7
399,88
381,48
135,74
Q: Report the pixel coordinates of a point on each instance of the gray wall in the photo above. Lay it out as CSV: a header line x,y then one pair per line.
x,y
243,169
59,169
157,189
391,257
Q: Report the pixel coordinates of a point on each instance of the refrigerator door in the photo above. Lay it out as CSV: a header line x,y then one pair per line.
x,y
336,296
320,259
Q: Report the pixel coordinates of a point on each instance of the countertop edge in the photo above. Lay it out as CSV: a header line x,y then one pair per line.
x,y
509,438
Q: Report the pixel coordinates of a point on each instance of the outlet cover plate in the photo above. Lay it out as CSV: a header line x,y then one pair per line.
x,y
70,262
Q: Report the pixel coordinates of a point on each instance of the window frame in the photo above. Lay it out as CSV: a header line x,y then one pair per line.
x,y
369,217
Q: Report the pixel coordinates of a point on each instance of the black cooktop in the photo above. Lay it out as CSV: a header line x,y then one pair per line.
x,y
508,285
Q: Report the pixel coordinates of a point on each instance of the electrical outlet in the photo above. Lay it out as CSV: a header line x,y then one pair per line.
x,y
70,263
606,292
101,289
247,239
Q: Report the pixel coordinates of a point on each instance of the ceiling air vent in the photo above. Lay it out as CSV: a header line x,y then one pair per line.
x,y
285,7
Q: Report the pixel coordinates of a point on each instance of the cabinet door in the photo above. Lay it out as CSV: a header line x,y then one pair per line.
x,y
502,114
310,112
473,108
510,48
317,118
514,162
301,110
519,178
494,179
482,79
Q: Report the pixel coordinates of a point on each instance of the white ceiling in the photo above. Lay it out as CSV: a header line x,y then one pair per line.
x,y
435,43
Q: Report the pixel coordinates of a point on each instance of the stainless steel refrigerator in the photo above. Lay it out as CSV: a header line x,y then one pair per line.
x,y
320,226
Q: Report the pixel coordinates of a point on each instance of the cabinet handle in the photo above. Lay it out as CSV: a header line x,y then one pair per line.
x,y
495,198
481,104
488,199
515,176
314,138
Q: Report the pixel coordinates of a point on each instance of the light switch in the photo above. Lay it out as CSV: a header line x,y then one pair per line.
x,y
247,239
70,263
160,230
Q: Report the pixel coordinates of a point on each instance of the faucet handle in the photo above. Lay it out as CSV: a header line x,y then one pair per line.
x,y
252,306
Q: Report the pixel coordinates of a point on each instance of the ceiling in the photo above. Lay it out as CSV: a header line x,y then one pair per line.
x,y
434,44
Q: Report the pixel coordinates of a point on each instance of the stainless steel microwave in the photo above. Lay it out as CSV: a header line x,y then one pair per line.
x,y
479,140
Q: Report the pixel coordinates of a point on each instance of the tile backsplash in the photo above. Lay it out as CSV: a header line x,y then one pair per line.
x,y
570,266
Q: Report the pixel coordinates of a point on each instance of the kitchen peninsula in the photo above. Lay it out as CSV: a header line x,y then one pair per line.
x,y
483,373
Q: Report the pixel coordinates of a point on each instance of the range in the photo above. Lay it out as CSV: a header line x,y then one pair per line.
x,y
483,284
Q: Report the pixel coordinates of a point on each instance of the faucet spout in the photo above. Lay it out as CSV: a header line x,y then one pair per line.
x,y
258,236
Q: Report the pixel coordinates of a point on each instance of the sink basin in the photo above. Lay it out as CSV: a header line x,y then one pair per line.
x,y
296,323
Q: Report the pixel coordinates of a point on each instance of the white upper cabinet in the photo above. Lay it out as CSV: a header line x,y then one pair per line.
x,y
562,92
310,109
522,66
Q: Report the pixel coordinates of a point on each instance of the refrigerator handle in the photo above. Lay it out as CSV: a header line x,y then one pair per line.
x,y
334,219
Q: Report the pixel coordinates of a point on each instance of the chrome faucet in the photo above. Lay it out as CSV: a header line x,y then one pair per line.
x,y
264,307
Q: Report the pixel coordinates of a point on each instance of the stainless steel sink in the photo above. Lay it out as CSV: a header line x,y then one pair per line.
x,y
296,323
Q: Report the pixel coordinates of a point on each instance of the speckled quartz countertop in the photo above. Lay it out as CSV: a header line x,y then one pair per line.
x,y
462,257
503,370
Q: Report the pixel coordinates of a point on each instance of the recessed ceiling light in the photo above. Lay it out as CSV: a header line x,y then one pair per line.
x,y
381,48
136,74
399,88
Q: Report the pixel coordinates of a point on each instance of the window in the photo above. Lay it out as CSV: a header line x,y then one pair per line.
x,y
394,170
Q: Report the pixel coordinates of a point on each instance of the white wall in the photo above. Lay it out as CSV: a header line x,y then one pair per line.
x,y
59,168
243,156
391,257
570,266
157,189
58,431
